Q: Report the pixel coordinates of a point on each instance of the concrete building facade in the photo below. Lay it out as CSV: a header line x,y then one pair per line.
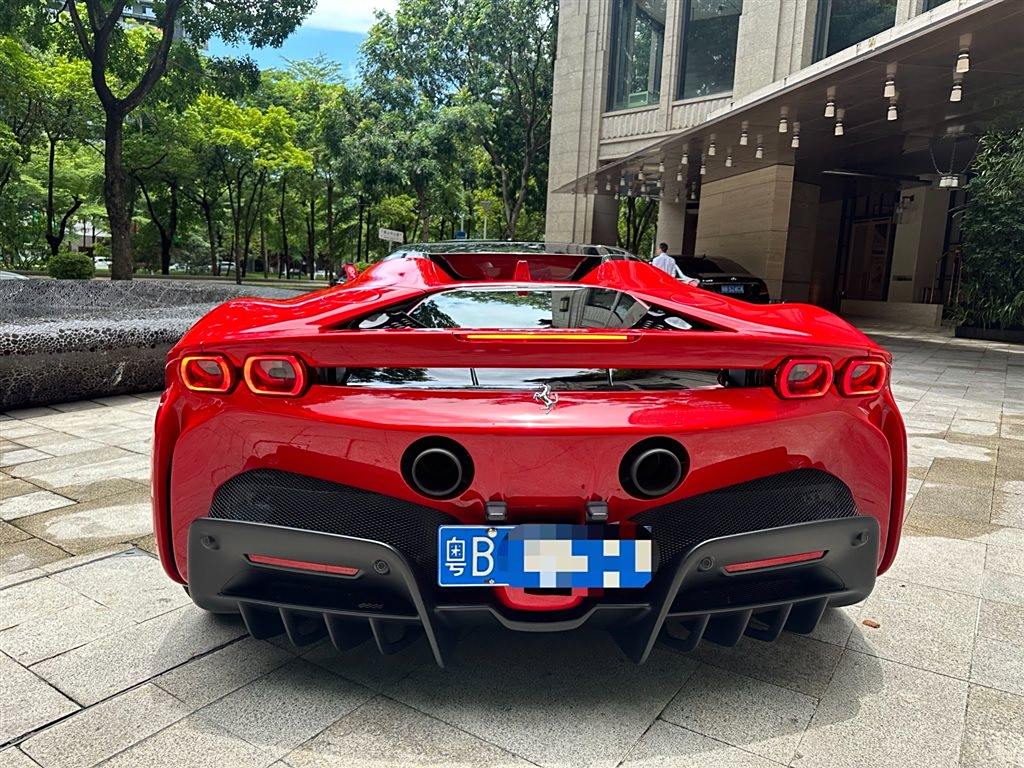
x,y
860,228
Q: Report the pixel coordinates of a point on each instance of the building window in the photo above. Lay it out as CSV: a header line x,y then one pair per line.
x,y
709,47
929,4
638,44
842,23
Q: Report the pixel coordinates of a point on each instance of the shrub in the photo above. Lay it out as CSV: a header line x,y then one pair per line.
x,y
69,265
992,286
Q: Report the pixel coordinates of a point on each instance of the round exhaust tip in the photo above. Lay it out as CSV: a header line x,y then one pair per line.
x,y
437,468
653,468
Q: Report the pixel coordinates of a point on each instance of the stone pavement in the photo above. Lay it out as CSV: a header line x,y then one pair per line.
x,y
103,660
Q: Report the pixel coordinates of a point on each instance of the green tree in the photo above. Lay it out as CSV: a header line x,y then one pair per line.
x,y
247,146
992,283
67,116
99,27
21,102
495,57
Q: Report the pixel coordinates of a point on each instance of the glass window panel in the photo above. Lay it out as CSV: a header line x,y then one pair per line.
x,y
638,45
929,4
842,23
514,309
709,47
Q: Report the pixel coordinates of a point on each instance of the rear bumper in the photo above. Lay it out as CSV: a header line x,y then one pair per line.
x,y
391,602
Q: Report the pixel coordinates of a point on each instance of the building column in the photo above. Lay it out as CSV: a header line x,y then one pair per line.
x,y
576,110
746,218
671,225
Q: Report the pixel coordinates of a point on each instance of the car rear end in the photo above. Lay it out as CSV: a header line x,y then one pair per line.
x,y
395,458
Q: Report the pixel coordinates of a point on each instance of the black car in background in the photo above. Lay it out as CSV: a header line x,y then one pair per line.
x,y
724,276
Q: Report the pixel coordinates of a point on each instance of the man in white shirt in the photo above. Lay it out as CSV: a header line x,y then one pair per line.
x,y
668,265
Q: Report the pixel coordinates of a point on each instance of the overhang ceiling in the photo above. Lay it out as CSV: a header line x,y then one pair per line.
x,y
920,56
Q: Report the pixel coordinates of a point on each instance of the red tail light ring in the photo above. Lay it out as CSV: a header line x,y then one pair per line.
x,y
801,378
206,373
863,377
275,375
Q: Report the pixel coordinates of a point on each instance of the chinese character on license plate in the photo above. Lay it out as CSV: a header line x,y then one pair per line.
x,y
544,555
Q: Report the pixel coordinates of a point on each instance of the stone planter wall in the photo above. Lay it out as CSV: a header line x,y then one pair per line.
x,y
64,340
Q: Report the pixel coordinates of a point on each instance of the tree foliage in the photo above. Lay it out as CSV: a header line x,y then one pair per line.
x,y
992,283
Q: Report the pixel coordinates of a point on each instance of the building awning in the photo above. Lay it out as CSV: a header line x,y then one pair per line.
x,y
909,128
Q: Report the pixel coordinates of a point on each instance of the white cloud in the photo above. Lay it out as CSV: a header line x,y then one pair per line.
x,y
347,15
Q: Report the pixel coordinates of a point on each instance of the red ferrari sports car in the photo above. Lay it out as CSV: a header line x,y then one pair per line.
x,y
540,437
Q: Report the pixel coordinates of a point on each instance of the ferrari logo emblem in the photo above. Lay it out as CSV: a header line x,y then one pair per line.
x,y
546,397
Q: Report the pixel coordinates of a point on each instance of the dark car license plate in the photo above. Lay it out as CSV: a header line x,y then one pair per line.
x,y
733,289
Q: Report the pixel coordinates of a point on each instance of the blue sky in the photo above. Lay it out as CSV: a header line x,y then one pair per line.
x,y
336,28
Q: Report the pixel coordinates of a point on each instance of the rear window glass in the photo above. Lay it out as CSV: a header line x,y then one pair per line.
x,y
529,309
695,265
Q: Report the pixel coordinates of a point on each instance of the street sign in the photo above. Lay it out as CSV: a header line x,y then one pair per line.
x,y
391,235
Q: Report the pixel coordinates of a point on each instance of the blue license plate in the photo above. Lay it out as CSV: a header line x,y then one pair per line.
x,y
732,289
544,555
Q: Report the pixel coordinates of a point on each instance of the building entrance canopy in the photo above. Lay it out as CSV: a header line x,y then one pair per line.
x,y
908,103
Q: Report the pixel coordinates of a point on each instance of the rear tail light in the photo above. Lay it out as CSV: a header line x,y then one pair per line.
x,y
280,375
803,378
206,373
863,377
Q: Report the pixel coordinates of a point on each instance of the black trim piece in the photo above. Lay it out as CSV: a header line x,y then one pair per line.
x,y
389,603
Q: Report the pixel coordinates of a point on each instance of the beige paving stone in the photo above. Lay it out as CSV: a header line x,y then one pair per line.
x,y
18,456
883,714
12,757
97,733
217,674
83,469
9,534
564,713
1003,587
1001,621
963,472
287,707
114,663
385,733
998,664
20,577
794,661
756,716
919,626
46,636
994,731
94,524
837,624
192,742
30,504
666,746
957,501
28,553
132,583
365,665
28,702
934,561
1008,509
11,487
1006,559
74,562
16,429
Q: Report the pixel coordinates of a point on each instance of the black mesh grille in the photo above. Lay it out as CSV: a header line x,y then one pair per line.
x,y
800,496
296,501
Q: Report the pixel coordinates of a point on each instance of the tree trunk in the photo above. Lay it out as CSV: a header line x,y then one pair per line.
x,y
359,233
424,214
263,245
114,195
211,232
51,238
284,236
311,234
330,228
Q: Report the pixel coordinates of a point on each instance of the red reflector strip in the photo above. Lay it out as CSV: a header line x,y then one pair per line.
x,y
753,565
301,565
